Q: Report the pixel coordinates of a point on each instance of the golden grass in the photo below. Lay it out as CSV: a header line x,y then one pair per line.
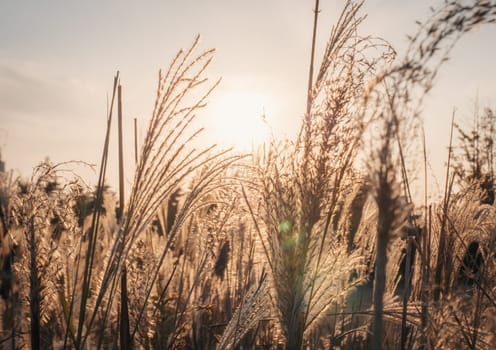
x,y
296,246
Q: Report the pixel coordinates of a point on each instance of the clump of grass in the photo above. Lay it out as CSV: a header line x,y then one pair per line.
x,y
42,216
300,189
167,161
403,86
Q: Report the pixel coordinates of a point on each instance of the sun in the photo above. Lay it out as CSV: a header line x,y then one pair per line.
x,y
238,119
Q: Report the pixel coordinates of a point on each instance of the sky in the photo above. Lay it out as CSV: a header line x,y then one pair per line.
x,y
58,60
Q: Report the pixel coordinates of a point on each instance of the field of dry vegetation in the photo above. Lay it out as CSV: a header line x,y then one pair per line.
x,y
312,243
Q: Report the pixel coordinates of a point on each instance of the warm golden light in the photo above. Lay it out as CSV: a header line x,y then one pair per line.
x,y
238,119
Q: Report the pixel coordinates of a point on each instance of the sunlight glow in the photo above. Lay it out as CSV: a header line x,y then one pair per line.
x,y
237,119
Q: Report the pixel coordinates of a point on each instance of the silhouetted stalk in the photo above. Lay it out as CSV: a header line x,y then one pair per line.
x,y
125,337
425,254
121,155
386,216
136,141
93,232
478,309
491,151
12,308
440,265
70,330
406,291
34,290
408,262
379,281
312,59
3,220
478,165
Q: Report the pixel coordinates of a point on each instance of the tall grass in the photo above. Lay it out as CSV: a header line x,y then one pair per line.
x,y
302,186
312,243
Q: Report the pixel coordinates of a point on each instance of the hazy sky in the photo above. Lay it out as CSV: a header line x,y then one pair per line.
x,y
58,59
